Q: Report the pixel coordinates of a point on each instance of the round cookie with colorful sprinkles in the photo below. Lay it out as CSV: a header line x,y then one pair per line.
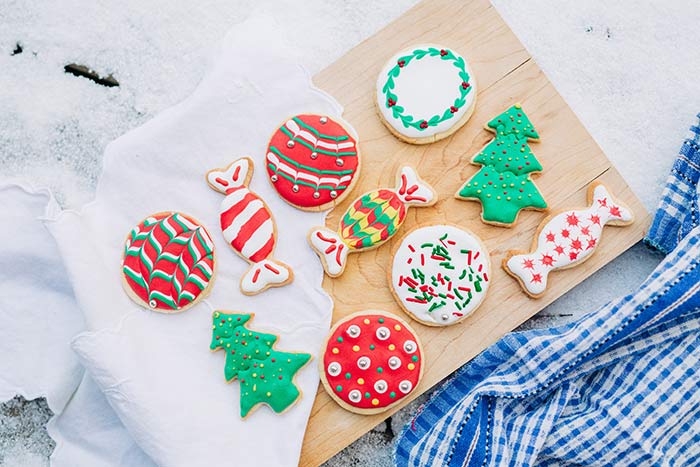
x,y
440,274
371,361
168,262
313,161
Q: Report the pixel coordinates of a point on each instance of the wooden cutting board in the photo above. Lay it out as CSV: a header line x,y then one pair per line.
x,y
506,74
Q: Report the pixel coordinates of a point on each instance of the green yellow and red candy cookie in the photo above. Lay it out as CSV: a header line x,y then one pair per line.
x,y
370,221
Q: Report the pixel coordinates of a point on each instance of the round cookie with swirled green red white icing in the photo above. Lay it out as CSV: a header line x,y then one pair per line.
x,y
440,274
425,93
371,361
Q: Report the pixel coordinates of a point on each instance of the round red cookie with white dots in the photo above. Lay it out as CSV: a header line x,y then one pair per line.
x,y
371,361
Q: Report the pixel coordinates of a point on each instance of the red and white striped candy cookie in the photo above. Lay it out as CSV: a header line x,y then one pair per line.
x,y
371,361
248,226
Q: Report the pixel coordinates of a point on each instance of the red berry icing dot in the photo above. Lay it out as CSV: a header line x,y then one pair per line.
x,y
377,363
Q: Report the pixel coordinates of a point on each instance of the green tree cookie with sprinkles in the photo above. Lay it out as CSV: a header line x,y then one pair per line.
x,y
266,375
503,184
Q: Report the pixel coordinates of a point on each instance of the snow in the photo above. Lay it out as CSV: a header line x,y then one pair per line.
x,y
628,69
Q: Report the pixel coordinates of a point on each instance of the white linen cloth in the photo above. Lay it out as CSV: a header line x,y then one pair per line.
x,y
155,371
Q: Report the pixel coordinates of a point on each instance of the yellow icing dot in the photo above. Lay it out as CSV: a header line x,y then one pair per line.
x,y
366,321
517,106
411,366
360,381
478,191
213,327
356,348
522,149
269,394
228,345
508,198
375,401
397,327
392,346
520,197
255,386
230,319
262,365
335,350
255,375
488,195
512,185
510,158
498,197
529,196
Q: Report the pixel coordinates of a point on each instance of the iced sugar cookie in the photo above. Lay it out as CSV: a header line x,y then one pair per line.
x,y
313,161
440,274
266,375
371,361
425,93
503,185
248,226
566,239
371,220
168,262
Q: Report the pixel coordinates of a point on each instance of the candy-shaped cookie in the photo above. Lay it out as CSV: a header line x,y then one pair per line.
x,y
425,93
371,220
168,262
566,239
248,226
371,361
266,375
313,161
440,274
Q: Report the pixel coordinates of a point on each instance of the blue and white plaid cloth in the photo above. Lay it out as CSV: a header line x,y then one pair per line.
x,y
619,387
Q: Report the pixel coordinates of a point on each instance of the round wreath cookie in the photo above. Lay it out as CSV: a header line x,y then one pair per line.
x,y
425,93
168,262
440,274
312,161
371,361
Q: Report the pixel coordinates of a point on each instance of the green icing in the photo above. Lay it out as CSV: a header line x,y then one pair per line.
x,y
266,375
508,154
503,183
514,121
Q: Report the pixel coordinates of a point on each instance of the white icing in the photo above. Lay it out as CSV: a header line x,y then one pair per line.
x,y
409,346
405,386
354,330
383,333
406,260
559,240
412,190
334,369
363,363
425,87
266,276
326,244
394,362
380,386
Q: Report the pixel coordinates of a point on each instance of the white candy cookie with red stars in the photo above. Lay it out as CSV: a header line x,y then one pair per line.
x,y
566,239
371,361
440,274
425,93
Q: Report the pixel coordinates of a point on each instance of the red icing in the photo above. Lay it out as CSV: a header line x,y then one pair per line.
x,y
379,357
301,154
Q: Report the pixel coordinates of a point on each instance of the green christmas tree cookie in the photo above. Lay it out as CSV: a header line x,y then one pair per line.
x,y
266,375
503,184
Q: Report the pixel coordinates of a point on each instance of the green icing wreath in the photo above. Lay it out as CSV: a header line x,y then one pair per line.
x,y
397,111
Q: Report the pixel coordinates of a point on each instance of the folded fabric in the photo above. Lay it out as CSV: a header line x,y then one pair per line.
x,y
155,370
38,313
678,211
617,387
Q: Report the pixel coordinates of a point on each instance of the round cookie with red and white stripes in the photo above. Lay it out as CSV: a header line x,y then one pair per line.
x,y
371,361
168,262
440,274
313,161
248,226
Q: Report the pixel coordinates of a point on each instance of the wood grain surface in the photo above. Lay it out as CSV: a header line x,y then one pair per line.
x,y
505,74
